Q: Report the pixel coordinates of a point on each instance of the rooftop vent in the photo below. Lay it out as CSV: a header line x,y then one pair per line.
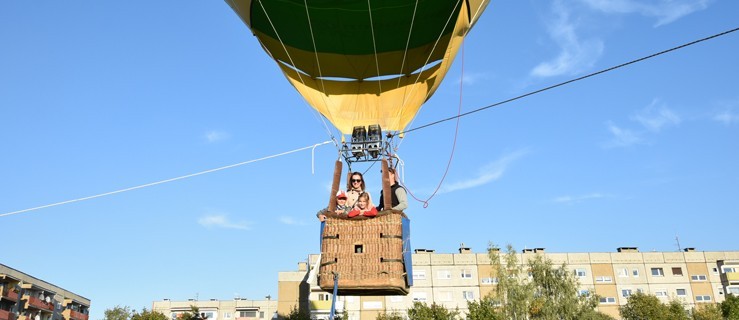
x,y
539,250
627,249
527,250
423,251
302,266
689,249
463,249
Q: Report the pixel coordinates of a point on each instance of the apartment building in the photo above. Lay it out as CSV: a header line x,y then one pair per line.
x,y
452,279
24,297
214,309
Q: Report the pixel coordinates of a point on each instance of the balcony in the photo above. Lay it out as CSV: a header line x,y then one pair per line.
x,y
37,303
10,295
6,315
320,305
70,314
732,277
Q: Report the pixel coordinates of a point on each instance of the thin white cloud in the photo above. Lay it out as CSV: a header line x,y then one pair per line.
x,y
470,78
221,221
580,198
290,221
215,136
666,11
727,114
490,172
656,116
621,137
575,55
726,117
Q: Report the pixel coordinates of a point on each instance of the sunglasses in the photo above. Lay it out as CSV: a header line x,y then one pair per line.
x,y
356,180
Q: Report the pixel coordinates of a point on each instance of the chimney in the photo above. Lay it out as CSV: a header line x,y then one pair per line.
x,y
302,266
463,249
627,249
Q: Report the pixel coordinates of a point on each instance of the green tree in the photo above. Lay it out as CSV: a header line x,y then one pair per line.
x,y
730,307
676,311
538,290
484,309
422,311
390,316
642,306
707,312
118,313
297,314
148,315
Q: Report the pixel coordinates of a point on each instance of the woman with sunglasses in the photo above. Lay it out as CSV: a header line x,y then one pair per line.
x,y
354,187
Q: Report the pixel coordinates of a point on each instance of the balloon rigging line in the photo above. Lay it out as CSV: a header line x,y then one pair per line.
x,y
295,69
408,42
320,73
166,180
374,47
571,81
413,88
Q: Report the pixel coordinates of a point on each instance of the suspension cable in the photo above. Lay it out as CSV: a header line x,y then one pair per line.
x,y
572,80
313,146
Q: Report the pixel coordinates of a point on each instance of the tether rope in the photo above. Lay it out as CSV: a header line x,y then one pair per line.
x,y
572,80
165,181
454,144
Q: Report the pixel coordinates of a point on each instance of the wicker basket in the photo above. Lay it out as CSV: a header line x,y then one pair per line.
x,y
367,254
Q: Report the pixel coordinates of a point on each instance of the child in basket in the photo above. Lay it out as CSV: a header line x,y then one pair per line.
x,y
364,207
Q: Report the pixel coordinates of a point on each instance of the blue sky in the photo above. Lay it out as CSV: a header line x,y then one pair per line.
x,y
101,96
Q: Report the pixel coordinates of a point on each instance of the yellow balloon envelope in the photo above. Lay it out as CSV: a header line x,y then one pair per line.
x,y
361,62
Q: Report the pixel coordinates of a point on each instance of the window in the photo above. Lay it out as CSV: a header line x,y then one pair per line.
x,y
419,296
584,292
443,274
698,277
733,290
702,298
466,273
714,271
261,314
623,272
580,272
658,272
660,292
248,314
227,315
607,300
625,292
444,296
635,272
726,269
603,279
468,295
323,297
419,274
396,298
489,281
681,292
677,271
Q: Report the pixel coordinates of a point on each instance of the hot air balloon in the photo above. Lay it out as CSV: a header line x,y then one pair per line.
x,y
367,66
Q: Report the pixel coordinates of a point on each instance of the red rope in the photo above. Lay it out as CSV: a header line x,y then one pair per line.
x,y
454,145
